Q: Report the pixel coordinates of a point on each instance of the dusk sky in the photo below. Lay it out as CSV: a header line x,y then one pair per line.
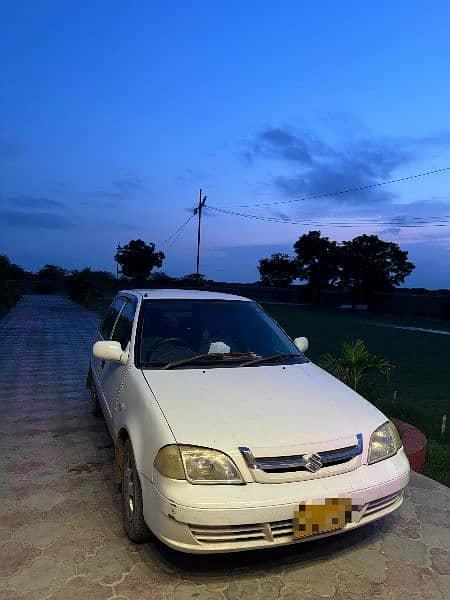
x,y
114,114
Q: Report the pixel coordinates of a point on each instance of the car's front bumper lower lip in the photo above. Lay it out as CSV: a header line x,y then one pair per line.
x,y
259,515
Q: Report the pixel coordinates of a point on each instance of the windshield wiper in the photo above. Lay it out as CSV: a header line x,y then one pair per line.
x,y
209,357
273,358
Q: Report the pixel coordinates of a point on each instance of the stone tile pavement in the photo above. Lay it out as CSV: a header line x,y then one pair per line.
x,y
60,528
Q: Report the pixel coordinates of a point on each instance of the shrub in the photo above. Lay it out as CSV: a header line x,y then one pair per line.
x,y
355,363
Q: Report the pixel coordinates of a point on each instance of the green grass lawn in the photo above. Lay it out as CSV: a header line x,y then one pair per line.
x,y
420,380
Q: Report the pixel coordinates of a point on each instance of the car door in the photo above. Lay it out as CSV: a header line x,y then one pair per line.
x,y
104,333
114,373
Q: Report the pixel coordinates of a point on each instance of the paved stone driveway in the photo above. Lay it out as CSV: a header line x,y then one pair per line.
x,y
60,526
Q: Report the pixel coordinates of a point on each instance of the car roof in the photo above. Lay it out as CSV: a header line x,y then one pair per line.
x,y
171,294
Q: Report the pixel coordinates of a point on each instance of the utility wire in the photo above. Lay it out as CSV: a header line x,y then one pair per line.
x,y
179,230
347,191
398,221
394,221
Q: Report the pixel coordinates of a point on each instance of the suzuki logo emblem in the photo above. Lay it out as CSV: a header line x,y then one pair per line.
x,y
313,462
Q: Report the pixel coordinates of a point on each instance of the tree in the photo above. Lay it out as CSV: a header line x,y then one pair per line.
x,y
194,279
137,259
354,363
317,260
51,273
50,279
10,291
370,264
87,286
5,265
161,278
278,270
9,270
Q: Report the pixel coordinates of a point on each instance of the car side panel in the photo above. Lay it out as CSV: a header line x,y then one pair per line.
x,y
139,414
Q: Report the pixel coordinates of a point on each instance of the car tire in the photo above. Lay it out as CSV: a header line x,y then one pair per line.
x,y
132,506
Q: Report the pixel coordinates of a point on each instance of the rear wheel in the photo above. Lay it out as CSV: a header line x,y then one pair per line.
x,y
132,506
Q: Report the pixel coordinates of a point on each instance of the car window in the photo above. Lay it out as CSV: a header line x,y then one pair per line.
x,y
173,330
124,325
108,322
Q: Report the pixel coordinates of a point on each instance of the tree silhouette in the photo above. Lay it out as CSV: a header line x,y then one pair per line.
x,y
51,273
9,270
369,264
137,259
317,260
278,270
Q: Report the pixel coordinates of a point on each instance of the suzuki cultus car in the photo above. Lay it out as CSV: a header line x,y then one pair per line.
x,y
226,436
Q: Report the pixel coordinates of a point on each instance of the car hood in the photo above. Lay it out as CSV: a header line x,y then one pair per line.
x,y
260,407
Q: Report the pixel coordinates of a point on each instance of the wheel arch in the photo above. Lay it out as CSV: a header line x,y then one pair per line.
x,y
121,440
89,378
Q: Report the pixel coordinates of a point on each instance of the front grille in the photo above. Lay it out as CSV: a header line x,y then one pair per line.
x,y
282,529
206,534
382,503
244,535
289,464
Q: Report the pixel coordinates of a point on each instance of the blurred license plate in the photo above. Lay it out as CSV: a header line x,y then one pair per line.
x,y
312,519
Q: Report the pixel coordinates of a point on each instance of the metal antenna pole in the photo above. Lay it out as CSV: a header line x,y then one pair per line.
x,y
198,211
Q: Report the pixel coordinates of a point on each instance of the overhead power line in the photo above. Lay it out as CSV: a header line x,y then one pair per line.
x,y
347,191
170,241
435,221
179,230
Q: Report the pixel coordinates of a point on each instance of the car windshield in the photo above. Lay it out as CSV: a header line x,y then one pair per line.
x,y
209,333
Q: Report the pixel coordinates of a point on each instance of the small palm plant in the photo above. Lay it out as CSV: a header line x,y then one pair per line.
x,y
354,363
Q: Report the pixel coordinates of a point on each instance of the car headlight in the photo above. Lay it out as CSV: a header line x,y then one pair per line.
x,y
197,465
384,442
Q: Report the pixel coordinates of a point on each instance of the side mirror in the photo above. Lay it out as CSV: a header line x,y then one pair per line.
x,y
110,350
302,343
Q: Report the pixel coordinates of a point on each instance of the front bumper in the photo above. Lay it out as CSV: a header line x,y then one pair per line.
x,y
202,518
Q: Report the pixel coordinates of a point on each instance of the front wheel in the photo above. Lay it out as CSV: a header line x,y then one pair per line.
x,y
132,507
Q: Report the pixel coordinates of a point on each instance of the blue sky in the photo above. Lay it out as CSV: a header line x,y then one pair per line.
x,y
113,115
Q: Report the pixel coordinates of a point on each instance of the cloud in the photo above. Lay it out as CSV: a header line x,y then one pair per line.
x,y
322,168
329,178
286,144
120,189
10,218
41,220
33,202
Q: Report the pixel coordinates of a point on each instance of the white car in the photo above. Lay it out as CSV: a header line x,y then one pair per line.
x,y
227,437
